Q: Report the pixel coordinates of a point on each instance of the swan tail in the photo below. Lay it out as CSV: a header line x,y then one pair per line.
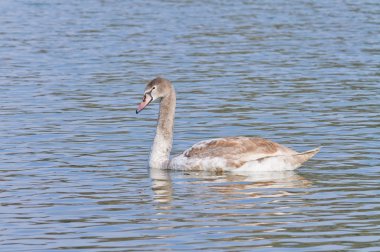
x,y
300,158
278,163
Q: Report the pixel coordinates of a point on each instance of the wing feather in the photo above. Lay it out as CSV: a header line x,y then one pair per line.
x,y
237,148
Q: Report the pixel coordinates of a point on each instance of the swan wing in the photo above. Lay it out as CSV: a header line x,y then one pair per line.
x,y
237,148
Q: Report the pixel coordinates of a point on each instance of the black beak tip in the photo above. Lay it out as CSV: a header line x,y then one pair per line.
x,y
137,111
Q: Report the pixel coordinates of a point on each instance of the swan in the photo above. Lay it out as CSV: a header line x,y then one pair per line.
x,y
236,154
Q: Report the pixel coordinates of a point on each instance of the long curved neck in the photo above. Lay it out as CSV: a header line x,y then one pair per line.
x,y
162,144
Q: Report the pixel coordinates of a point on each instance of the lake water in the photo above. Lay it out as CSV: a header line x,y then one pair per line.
x,y
74,155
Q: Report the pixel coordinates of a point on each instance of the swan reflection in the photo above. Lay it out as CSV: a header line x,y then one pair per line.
x,y
161,185
243,184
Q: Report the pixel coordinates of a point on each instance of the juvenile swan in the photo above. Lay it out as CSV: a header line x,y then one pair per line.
x,y
245,154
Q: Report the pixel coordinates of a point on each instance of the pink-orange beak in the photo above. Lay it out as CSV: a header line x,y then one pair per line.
x,y
146,100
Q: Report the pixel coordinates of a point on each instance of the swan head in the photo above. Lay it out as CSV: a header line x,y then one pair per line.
x,y
157,88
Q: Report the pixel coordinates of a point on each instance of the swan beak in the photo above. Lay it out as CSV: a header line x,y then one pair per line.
x,y
146,100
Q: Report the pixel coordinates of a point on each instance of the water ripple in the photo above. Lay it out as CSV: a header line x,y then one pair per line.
x,y
74,154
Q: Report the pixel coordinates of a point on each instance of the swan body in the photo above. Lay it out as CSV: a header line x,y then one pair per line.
x,y
239,154
235,154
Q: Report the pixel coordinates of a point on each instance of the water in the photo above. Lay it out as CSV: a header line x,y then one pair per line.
x,y
73,154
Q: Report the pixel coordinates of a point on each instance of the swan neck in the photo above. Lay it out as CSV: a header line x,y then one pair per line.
x,y
163,140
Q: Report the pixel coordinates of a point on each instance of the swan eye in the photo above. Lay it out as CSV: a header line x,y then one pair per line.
x,y
153,88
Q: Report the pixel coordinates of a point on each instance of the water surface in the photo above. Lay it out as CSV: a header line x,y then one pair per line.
x,y
73,154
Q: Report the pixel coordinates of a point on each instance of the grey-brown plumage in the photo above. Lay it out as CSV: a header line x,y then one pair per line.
x,y
230,153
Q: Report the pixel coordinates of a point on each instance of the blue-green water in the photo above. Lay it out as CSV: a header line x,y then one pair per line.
x,y
73,156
